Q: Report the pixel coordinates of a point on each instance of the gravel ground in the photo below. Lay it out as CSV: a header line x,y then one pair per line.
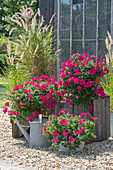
x,y
98,155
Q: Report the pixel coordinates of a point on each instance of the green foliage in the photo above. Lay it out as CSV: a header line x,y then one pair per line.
x,y
69,130
3,52
107,84
11,77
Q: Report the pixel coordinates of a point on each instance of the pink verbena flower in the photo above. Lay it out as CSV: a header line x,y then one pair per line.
x,y
30,119
80,122
16,88
106,69
81,58
55,140
36,114
83,128
102,73
92,71
79,132
90,108
55,134
64,133
76,96
81,81
43,129
4,110
63,75
94,118
29,96
10,113
63,122
61,111
26,91
21,104
16,113
6,104
71,139
79,87
76,70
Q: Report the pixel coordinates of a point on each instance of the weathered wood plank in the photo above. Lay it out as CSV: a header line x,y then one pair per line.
x,y
107,116
46,9
97,113
15,130
103,114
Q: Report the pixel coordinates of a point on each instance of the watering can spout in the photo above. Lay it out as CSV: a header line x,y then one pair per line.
x,y
24,132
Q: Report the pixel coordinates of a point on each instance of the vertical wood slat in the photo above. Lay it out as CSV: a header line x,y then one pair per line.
x,y
112,18
46,9
107,116
71,15
97,29
97,113
83,39
103,118
58,38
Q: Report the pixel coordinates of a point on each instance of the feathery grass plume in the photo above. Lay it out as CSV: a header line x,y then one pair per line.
x,y
107,82
34,47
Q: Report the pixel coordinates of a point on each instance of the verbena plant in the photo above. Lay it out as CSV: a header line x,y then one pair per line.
x,y
69,130
107,82
30,99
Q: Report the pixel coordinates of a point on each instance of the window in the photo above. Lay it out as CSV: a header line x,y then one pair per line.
x,y
82,27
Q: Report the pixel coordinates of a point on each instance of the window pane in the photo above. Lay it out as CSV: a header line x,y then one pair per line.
x,y
77,47
65,34
77,20
65,51
65,14
90,47
102,49
104,18
90,19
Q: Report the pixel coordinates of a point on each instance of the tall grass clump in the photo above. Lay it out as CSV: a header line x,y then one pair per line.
x,y
107,82
30,48
33,48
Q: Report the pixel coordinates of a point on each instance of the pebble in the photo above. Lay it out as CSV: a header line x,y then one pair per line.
x,y
95,156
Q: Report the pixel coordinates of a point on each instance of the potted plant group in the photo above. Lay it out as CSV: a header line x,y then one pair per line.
x,y
31,99
69,131
80,77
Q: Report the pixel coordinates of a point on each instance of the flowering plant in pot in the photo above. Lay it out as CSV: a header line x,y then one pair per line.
x,y
30,99
79,79
69,130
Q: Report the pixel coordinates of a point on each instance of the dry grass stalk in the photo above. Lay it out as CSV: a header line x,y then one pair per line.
x,y
109,46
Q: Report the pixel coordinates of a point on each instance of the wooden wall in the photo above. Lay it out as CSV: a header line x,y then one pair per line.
x,y
46,9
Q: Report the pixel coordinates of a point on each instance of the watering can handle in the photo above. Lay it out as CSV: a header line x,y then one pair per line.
x,y
24,132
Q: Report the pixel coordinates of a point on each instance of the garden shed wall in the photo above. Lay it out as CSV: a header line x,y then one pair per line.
x,y
79,26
